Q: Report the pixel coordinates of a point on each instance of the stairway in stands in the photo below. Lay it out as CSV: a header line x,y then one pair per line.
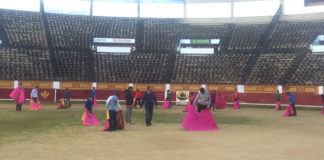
x,y
171,65
293,67
3,35
227,38
49,41
139,35
261,45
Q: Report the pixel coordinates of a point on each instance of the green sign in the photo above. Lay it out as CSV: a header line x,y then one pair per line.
x,y
200,41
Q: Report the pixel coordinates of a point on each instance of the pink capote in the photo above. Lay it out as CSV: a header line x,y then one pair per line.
x,y
18,95
134,100
220,102
166,104
288,112
323,109
202,121
90,119
35,106
236,105
107,124
95,104
278,106
60,106
186,108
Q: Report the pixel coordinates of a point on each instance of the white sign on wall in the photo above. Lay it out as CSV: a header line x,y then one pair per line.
x,y
94,84
15,84
104,49
320,90
280,89
56,85
240,88
197,50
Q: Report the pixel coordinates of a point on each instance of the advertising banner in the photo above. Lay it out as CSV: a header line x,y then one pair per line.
x,y
182,97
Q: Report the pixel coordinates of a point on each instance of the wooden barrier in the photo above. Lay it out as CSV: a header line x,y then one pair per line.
x,y
112,86
221,88
40,84
76,85
155,87
301,89
185,87
304,95
6,84
260,89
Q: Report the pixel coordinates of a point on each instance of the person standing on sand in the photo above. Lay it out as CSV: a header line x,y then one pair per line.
x,y
292,102
278,104
18,95
137,98
67,97
129,102
112,104
213,99
149,100
203,99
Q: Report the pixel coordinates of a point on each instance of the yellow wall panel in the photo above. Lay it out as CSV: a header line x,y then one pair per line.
x,y
7,84
185,87
155,87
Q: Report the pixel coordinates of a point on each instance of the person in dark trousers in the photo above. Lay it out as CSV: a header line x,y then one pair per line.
x,y
112,104
203,99
138,97
18,95
235,95
67,97
34,94
292,101
93,93
278,96
169,97
149,100
213,99
129,103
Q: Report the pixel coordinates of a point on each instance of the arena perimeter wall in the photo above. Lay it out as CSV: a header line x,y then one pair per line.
x,y
260,94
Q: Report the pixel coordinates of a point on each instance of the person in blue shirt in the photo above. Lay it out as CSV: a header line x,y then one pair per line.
x,y
292,101
149,100
93,93
112,104
88,104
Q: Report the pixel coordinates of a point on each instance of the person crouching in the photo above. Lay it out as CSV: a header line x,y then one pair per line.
x,y
112,104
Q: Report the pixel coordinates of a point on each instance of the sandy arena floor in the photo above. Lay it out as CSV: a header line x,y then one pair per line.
x,y
266,136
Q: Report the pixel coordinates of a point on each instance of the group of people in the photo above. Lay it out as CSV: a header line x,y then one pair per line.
x,y
115,118
291,109
18,95
196,119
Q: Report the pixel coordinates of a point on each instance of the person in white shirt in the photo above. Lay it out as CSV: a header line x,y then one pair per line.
x,y
34,94
112,104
